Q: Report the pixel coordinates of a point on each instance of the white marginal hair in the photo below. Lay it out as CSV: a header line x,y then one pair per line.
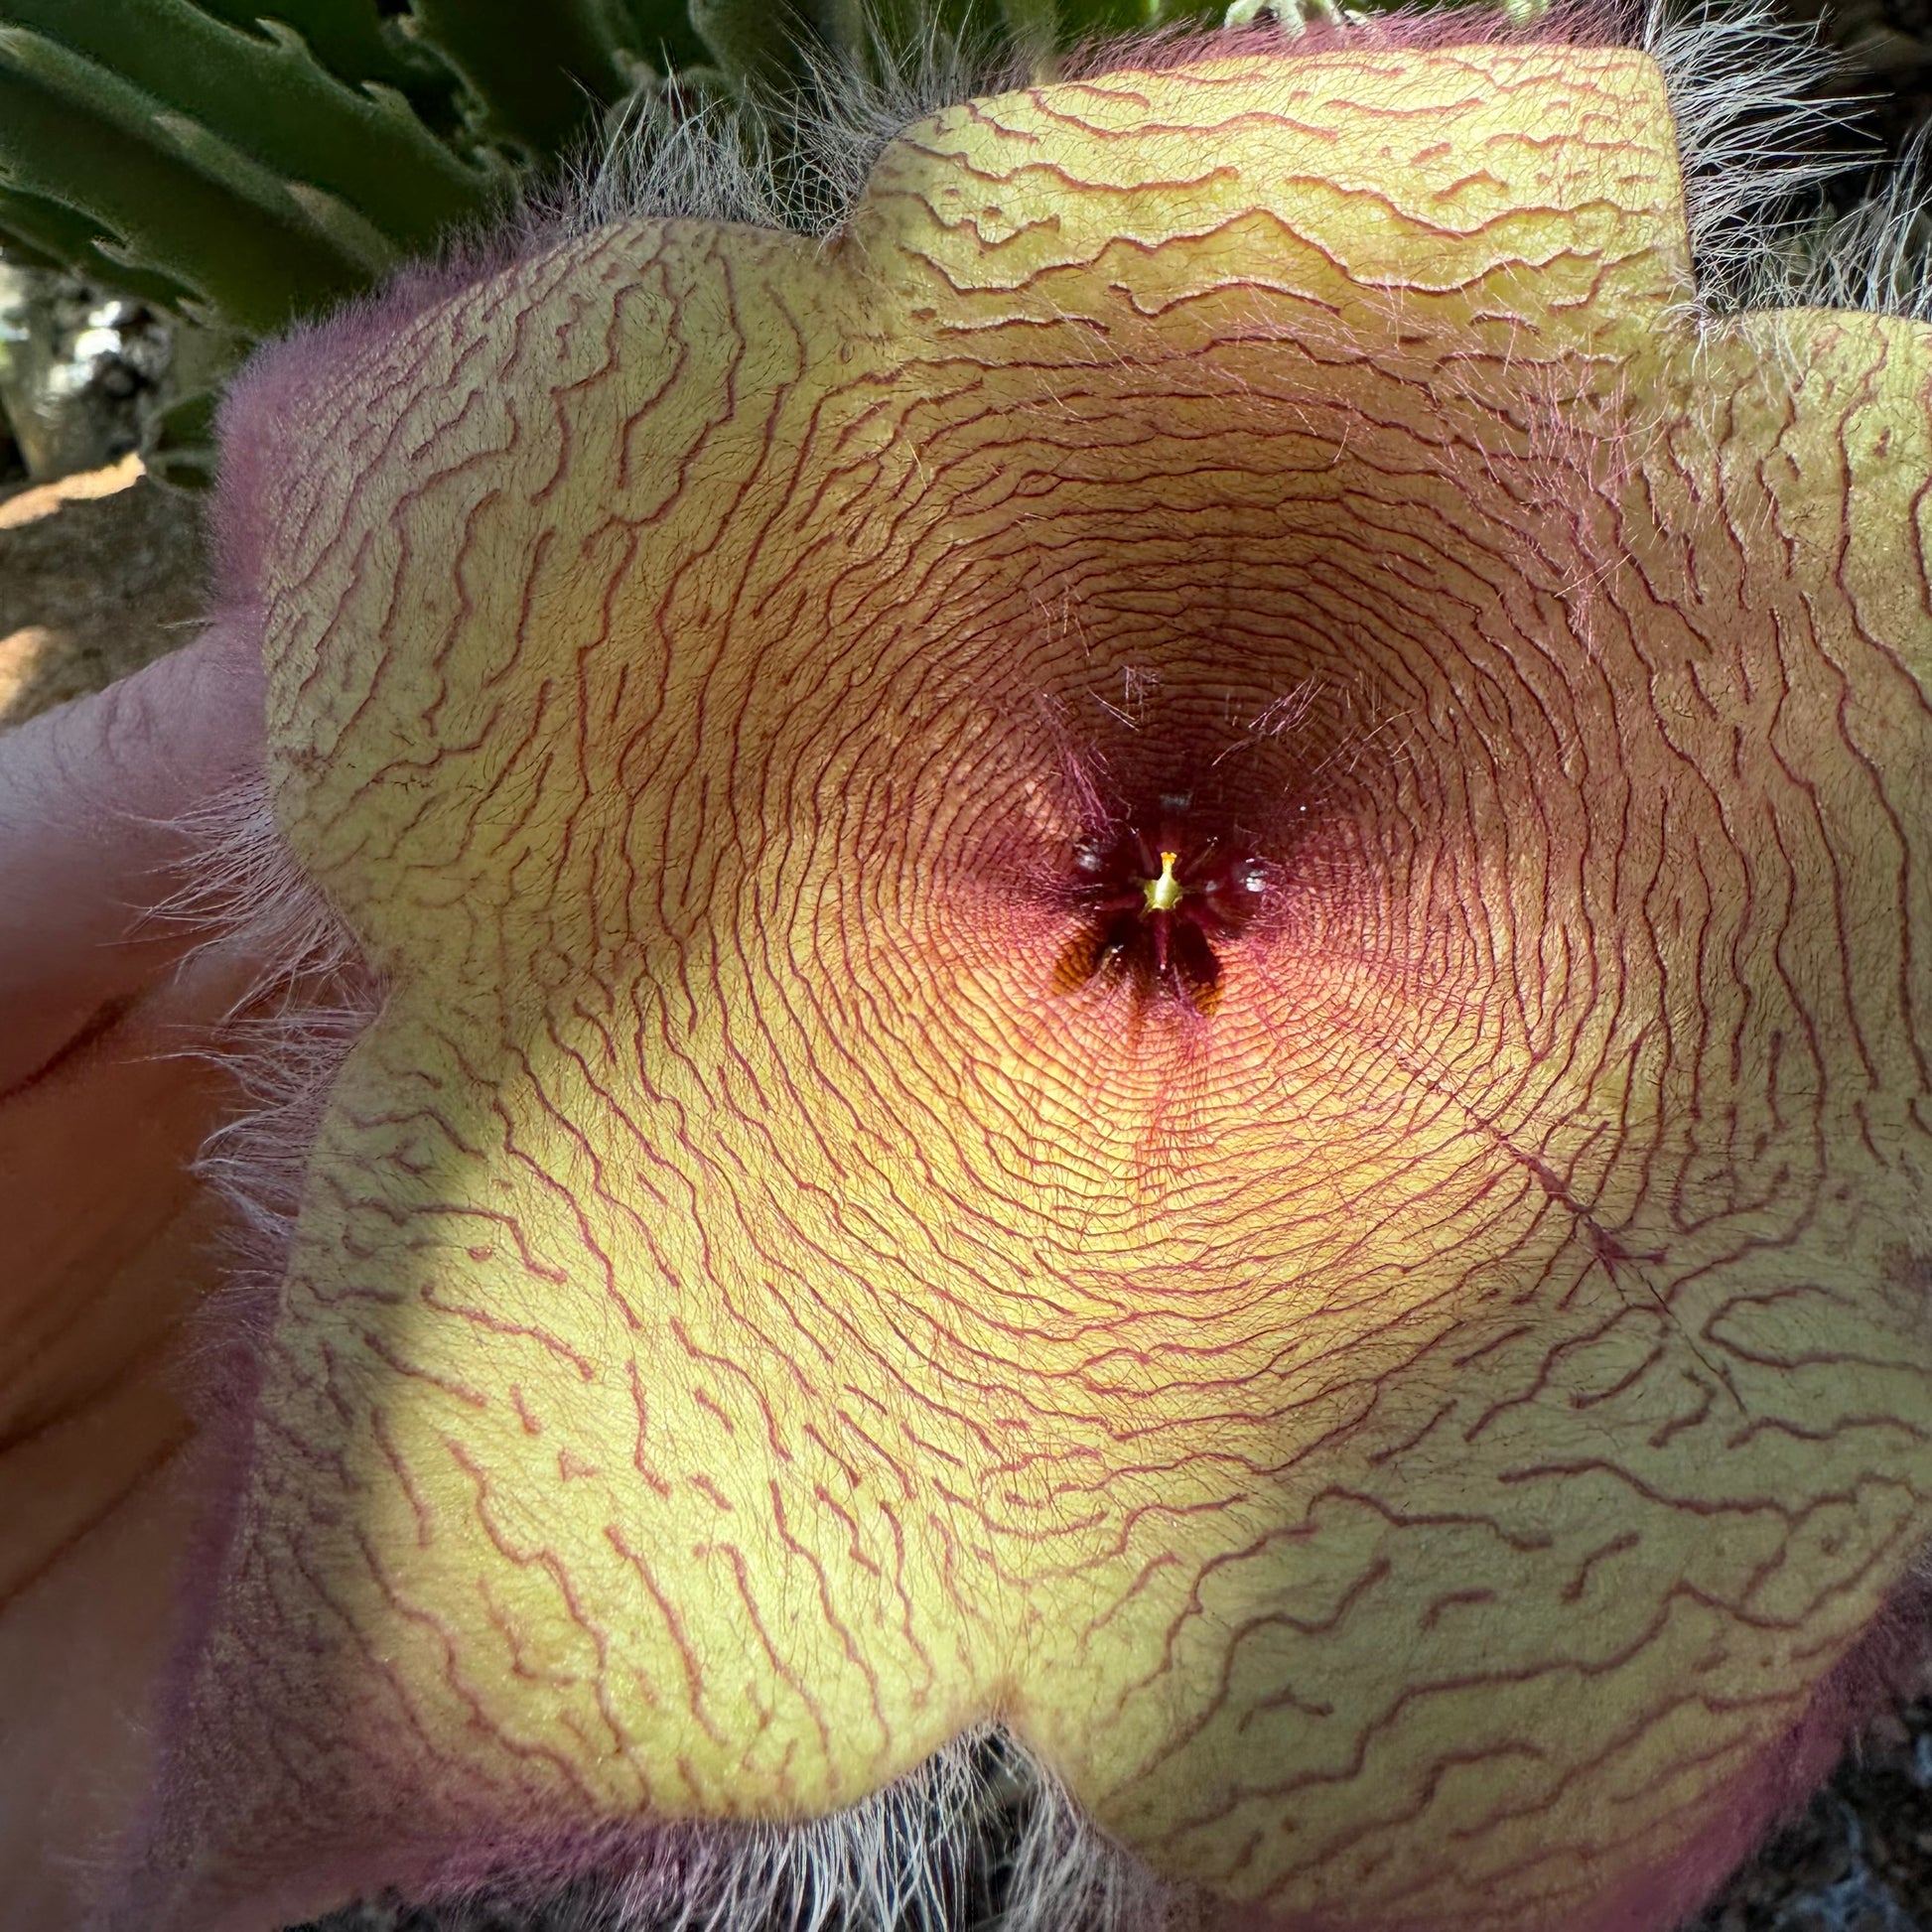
x,y
976,1837
1760,144
711,158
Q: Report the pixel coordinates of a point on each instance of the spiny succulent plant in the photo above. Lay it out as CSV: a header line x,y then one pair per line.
x,y
247,166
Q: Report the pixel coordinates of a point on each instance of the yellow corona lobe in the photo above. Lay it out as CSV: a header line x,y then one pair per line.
x,y
1164,892
1409,1443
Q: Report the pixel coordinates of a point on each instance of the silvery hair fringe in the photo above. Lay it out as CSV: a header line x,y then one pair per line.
x,y
712,160
1758,146
915,1857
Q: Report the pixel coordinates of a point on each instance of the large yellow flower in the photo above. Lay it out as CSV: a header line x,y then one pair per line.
x,y
1159,965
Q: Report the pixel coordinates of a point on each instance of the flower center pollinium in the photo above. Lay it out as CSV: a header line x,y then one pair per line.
x,y
1159,899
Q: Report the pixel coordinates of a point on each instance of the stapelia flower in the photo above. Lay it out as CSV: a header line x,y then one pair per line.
x,y
1156,964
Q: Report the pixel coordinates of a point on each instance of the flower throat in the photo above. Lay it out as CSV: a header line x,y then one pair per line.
x,y
1159,896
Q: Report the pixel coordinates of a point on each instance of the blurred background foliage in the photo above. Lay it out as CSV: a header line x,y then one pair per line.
x,y
233,166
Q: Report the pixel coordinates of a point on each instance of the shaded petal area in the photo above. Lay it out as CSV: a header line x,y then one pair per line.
x,y
1411,1431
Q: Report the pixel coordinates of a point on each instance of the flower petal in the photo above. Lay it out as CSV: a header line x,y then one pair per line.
x,y
1408,1438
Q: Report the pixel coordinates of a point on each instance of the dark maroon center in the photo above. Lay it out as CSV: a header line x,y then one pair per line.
x,y
1160,896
